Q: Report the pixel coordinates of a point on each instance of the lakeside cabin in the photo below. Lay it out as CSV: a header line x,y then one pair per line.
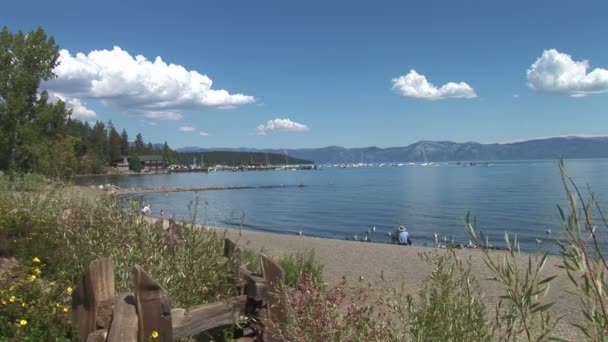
x,y
121,164
153,162
149,163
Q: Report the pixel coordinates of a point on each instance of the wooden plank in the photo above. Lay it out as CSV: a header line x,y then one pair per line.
x,y
153,308
124,320
277,313
98,336
208,316
229,248
271,271
255,287
96,285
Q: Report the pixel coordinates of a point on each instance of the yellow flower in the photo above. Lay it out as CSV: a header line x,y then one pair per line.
x,y
22,322
3,302
12,299
66,309
37,271
22,305
154,334
68,290
32,277
36,260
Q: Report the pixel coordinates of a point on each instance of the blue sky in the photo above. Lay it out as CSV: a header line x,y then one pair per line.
x,y
318,73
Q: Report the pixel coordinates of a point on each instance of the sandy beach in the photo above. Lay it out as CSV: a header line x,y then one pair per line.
x,y
385,266
381,267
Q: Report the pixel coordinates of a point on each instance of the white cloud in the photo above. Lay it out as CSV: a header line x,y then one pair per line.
x,y
203,134
135,85
414,85
186,129
281,125
79,110
557,73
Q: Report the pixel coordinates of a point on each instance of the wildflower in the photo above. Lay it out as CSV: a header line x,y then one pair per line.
x,y
22,305
37,271
32,277
36,260
3,302
68,290
66,309
22,322
154,334
12,299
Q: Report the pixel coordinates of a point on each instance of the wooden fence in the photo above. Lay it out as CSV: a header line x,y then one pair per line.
x,y
100,314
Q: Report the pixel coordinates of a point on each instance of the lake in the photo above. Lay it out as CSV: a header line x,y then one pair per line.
x,y
519,197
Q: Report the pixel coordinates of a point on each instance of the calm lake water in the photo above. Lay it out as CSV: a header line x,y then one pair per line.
x,y
514,196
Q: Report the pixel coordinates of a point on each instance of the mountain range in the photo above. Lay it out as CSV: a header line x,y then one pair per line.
x,y
435,151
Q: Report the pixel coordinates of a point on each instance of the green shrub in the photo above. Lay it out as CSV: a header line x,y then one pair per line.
x,y
32,308
295,265
450,306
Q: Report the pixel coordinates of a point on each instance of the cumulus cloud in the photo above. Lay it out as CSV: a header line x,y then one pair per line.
x,y
203,134
416,86
281,125
557,73
136,85
186,129
79,110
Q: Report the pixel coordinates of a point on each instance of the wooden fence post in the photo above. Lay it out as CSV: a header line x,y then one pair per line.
x,y
277,312
124,320
96,285
153,308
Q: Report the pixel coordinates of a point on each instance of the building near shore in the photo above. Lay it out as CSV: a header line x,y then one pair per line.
x,y
153,162
121,164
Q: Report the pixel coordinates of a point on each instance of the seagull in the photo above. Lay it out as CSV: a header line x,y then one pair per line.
x,y
539,241
374,229
548,231
300,232
356,238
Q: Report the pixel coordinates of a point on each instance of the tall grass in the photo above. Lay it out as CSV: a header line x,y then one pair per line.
x,y
450,304
296,265
584,256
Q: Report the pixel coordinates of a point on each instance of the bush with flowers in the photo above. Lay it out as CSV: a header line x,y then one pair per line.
x,y
32,307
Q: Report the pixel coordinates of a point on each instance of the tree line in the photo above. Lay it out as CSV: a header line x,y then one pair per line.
x,y
233,158
37,134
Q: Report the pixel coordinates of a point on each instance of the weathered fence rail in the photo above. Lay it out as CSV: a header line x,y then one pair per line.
x,y
100,314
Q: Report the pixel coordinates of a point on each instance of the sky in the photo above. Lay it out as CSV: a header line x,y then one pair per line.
x,y
307,74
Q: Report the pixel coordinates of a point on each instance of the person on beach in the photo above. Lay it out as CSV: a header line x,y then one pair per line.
x,y
403,237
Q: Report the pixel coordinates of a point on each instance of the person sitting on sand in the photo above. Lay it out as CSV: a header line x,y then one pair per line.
x,y
403,236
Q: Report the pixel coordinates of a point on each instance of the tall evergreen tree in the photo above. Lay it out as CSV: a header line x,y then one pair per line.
x,y
114,142
25,61
139,145
124,143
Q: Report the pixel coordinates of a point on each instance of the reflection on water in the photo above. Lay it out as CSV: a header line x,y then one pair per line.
x,y
518,196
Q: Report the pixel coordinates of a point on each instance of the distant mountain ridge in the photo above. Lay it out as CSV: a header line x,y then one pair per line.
x,y
435,151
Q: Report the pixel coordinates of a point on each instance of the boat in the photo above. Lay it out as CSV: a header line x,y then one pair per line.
x,y
426,161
